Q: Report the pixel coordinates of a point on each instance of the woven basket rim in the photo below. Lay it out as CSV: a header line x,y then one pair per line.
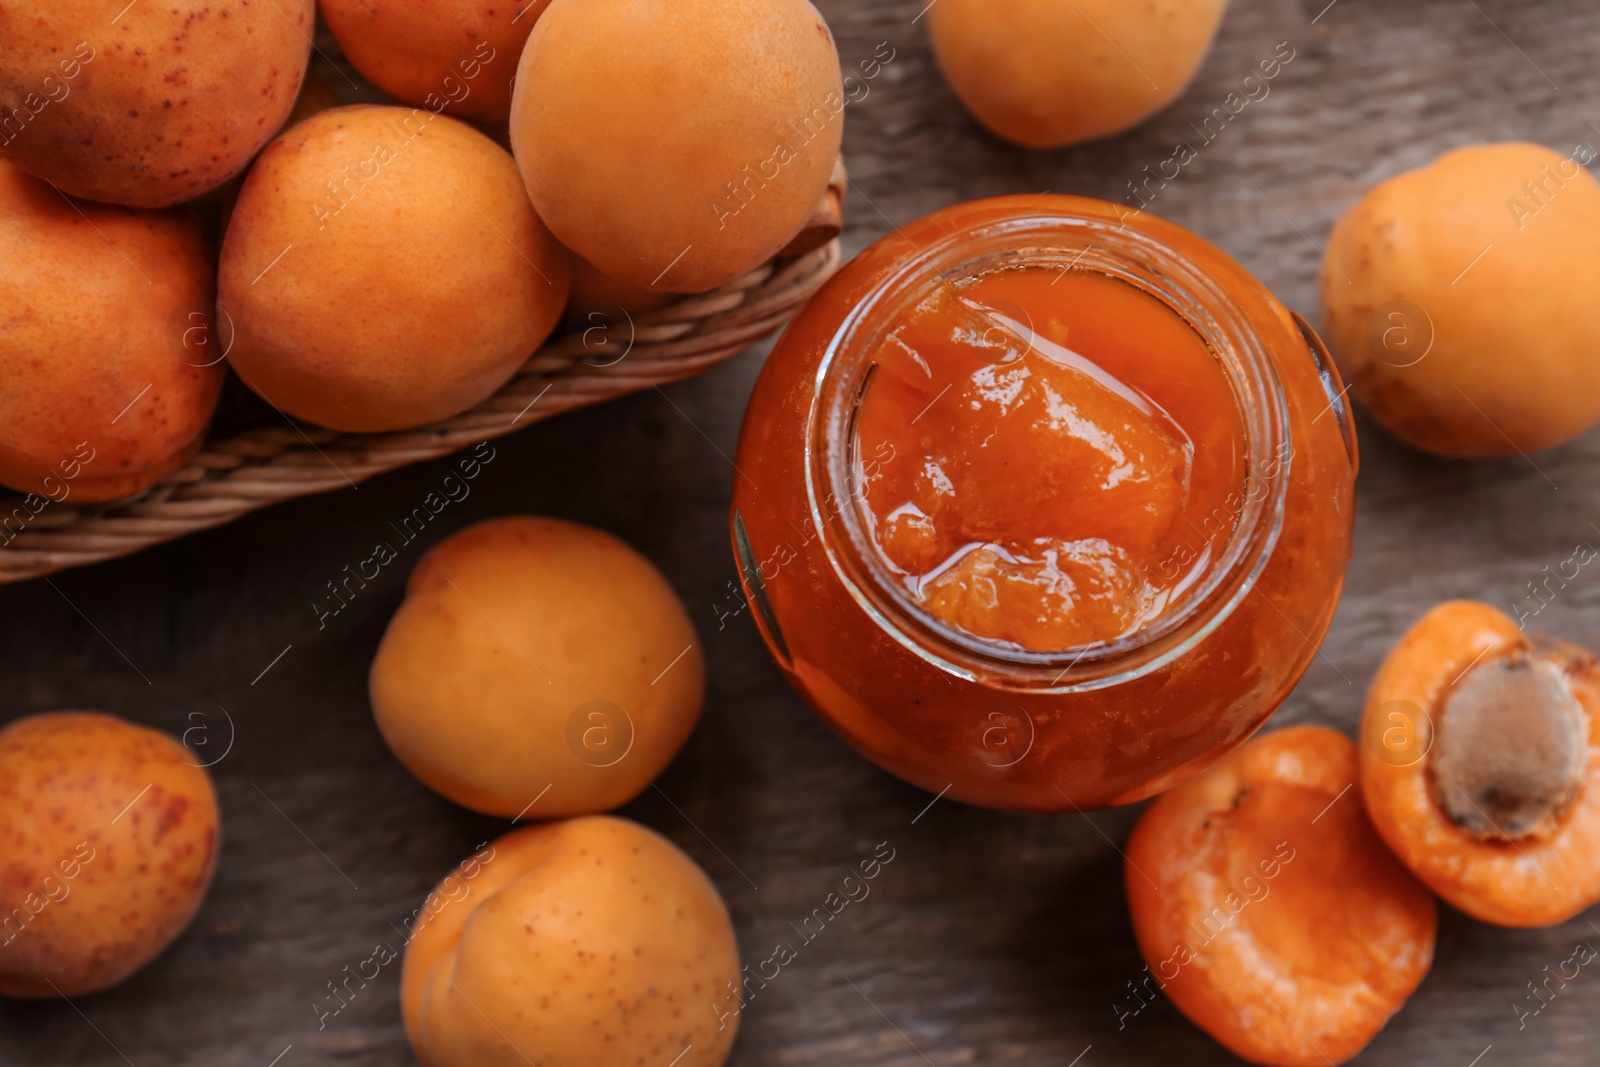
x,y
232,476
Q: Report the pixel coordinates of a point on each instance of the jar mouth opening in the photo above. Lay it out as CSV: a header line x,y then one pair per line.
x,y
1069,240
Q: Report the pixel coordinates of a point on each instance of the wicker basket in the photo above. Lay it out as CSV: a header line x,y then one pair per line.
x,y
233,476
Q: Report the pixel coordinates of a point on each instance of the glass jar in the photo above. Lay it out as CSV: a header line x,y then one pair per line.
x,y
995,724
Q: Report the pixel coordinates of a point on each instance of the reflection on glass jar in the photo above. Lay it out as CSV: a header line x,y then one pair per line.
x,y
1044,504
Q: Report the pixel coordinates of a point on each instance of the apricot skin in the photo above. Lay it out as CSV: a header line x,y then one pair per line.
x,y
1048,73
1535,881
1504,294
584,673
107,349
153,106
595,291
384,269
586,943
1268,909
458,56
114,828
677,144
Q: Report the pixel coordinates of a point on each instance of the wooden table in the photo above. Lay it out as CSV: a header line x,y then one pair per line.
x,y
990,938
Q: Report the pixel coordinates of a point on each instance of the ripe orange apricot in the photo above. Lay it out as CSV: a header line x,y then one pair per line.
x,y
1459,300
590,942
110,370
1269,910
108,841
1481,765
152,104
677,144
584,672
1047,73
455,56
383,269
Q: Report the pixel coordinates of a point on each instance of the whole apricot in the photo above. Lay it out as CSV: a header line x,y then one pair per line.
x,y
677,144
455,56
1459,300
536,660
1270,912
151,105
108,840
1481,766
108,355
384,269
1047,73
586,943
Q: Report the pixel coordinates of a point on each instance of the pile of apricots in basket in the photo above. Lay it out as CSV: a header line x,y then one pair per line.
x,y
1057,508
179,199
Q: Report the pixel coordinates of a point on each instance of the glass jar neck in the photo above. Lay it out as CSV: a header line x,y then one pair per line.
x,y
1073,239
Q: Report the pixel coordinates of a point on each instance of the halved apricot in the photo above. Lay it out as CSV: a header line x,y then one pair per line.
x,y
1269,910
1481,766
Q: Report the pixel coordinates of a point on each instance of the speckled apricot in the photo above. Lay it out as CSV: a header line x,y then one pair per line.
x,y
587,943
1495,807
455,56
106,347
152,104
1459,300
677,144
383,269
1047,73
1269,910
108,840
584,672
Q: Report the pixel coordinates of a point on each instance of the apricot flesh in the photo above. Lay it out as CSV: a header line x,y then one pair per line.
x,y
455,56
1459,301
109,354
383,269
591,942
1268,909
108,841
1048,73
677,144
152,105
1481,766
582,674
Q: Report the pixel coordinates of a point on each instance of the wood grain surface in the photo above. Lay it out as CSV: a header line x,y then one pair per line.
x,y
989,938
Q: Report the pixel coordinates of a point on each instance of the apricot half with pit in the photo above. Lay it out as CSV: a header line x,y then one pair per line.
x,y
111,364
586,943
1269,910
152,104
108,840
537,668
1459,300
677,144
1047,73
383,269
1482,765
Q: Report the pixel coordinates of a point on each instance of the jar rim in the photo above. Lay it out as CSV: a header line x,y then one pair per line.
x,y
1083,234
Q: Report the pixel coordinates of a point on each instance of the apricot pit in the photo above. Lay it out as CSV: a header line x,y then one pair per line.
x,y
1511,748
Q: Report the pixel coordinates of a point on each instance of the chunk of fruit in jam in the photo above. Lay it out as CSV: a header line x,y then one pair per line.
x,y
1062,447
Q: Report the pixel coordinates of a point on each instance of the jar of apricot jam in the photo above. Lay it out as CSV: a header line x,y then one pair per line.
x,y
1044,505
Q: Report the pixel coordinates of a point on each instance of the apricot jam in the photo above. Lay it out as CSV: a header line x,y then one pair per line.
x,y
1056,438
1043,505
